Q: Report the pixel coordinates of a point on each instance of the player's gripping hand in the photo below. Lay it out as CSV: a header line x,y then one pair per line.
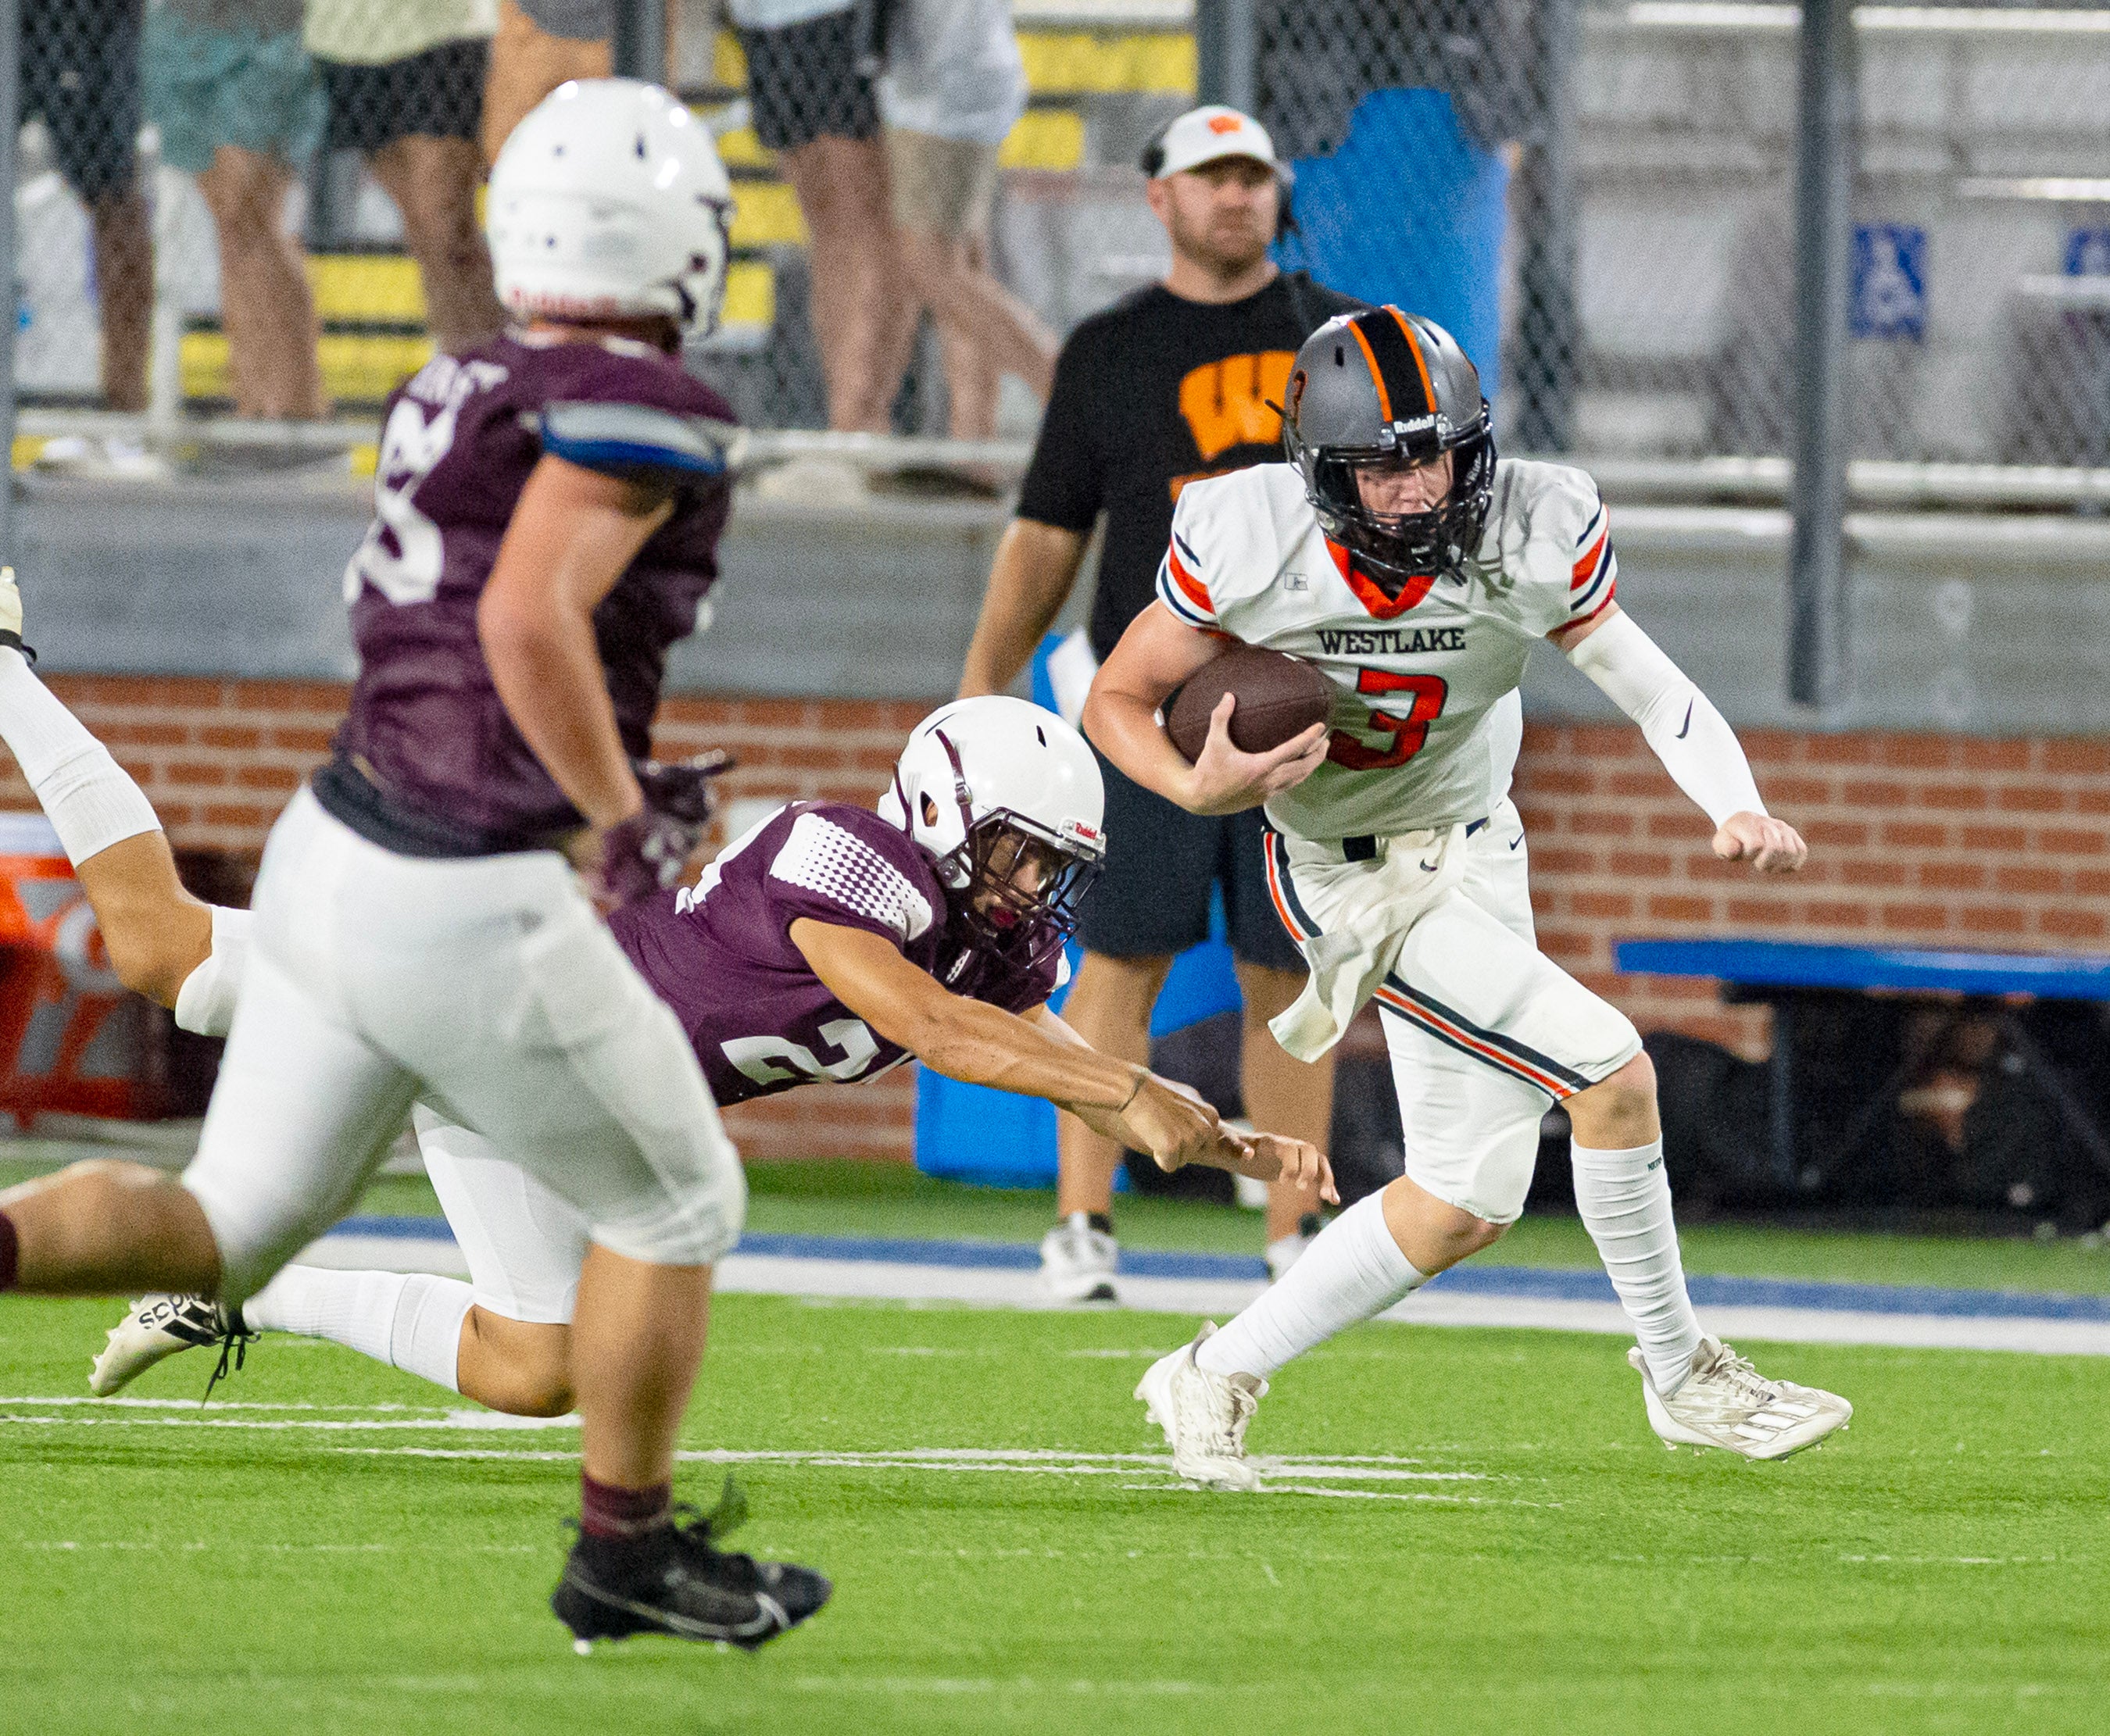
x,y
1170,1122
647,853
1770,846
1275,1157
1226,780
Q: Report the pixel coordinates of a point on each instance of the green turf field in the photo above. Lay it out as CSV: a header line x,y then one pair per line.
x,y
1477,1533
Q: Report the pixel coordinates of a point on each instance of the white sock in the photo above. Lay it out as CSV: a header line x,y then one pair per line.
x,y
410,1321
90,799
1624,1197
1353,1270
205,1005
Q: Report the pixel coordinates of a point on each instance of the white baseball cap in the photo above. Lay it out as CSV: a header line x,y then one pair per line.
x,y
1207,135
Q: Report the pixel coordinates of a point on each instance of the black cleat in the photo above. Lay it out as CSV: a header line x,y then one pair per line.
x,y
675,1581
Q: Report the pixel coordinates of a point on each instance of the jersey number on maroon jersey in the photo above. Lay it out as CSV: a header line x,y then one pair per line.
x,y
1409,734
777,1060
410,447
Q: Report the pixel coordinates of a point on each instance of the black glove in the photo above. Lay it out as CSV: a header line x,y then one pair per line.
x,y
684,789
646,853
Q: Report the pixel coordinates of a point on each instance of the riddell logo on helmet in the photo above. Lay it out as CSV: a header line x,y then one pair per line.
x,y
1224,123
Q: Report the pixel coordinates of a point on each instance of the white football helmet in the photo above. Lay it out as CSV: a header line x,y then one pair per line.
x,y
608,201
989,786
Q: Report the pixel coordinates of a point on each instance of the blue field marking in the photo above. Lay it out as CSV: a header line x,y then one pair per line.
x,y
1531,1282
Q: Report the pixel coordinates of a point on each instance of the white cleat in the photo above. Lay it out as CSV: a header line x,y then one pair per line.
x,y
1077,1261
1204,1415
1726,1402
1285,1251
155,1329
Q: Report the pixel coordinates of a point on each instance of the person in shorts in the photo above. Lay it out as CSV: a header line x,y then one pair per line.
x,y
539,46
80,76
405,82
1174,383
954,86
815,106
239,106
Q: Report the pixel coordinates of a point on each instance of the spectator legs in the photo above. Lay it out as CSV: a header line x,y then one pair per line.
x,y
267,309
862,319
1109,1007
527,64
125,280
1281,1093
434,183
988,331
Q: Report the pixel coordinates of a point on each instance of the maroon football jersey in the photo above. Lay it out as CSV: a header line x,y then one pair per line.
x,y
459,440
721,955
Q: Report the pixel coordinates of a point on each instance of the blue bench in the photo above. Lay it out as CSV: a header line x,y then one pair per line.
x,y
1779,972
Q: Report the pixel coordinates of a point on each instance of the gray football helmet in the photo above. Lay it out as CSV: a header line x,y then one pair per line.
x,y
1370,388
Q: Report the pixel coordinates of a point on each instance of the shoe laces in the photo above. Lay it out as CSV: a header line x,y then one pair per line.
x,y
1736,1375
696,1531
234,1338
1227,1408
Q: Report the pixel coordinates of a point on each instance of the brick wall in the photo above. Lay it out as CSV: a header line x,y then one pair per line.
x,y
217,759
1915,840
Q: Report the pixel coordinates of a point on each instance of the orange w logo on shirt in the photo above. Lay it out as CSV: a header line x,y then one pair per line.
x,y
1227,402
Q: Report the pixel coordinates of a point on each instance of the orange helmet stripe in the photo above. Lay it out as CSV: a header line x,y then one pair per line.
x,y
1414,343
1376,374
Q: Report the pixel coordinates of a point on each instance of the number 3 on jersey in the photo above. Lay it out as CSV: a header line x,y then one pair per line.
x,y
1409,734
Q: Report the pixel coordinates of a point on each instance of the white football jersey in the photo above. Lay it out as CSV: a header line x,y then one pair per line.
x,y
1426,720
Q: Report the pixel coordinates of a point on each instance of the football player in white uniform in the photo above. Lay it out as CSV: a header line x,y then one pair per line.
x,y
1395,552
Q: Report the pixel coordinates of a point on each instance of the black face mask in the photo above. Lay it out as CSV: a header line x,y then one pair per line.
x,y
1393,549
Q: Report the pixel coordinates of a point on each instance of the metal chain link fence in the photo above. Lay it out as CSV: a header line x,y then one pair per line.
x,y
268,207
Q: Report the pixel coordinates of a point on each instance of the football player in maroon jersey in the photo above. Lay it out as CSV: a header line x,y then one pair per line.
x,y
547,507
829,943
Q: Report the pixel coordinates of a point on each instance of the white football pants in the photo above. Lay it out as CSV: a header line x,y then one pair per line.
x,y
486,986
1486,1032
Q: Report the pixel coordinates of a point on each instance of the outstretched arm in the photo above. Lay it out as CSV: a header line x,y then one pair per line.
x,y
983,1045
1693,740
1265,1157
1155,656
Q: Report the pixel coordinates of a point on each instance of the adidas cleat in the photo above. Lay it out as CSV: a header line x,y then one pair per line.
x,y
676,1581
155,1329
1724,1402
1204,1417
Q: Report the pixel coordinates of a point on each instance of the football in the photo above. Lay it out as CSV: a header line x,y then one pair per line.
x,y
1279,697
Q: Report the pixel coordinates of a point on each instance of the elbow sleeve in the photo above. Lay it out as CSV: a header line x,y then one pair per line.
x,y
1694,741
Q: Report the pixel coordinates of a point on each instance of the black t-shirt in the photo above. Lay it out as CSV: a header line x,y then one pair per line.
x,y
1153,393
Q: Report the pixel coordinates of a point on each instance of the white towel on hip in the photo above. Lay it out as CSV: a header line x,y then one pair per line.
x,y
1365,910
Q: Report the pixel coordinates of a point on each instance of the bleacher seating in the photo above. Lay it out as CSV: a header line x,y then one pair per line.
x,y
373,311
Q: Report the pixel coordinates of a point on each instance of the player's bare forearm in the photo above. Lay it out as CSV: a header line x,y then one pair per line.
x,y
573,535
1157,656
1029,580
967,1040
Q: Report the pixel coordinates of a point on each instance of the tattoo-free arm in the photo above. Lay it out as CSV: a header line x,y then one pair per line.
x,y
1028,582
573,534
1156,656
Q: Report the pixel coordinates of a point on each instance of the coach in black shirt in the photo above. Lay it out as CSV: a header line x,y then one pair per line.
x,y
1174,383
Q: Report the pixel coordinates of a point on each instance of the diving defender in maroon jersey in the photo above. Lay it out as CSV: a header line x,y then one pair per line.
x,y
546,511
828,943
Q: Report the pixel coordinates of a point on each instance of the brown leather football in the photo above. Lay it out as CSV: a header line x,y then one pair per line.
x,y
1279,696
